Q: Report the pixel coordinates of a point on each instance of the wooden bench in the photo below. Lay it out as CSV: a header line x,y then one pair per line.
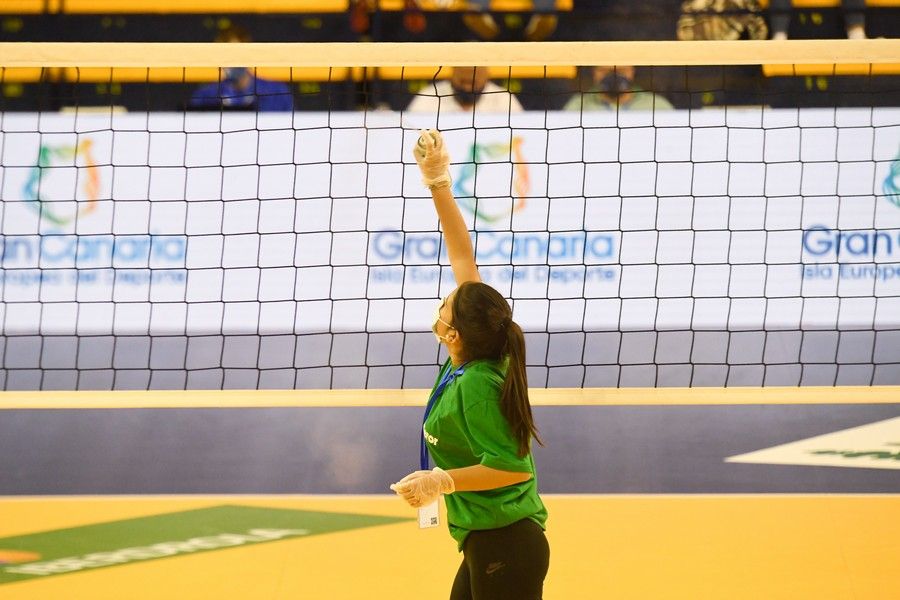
x,y
229,6
830,70
29,7
300,74
832,3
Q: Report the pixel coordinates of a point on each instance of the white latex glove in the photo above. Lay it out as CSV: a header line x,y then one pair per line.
x,y
434,160
421,488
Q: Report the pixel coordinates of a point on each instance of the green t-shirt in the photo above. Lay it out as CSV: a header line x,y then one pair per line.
x,y
465,428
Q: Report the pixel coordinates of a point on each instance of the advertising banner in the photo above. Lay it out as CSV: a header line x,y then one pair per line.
x,y
193,223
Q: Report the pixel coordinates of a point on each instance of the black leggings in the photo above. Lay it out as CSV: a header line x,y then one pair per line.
x,y
506,563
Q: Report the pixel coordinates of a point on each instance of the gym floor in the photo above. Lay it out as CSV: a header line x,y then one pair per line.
x,y
781,493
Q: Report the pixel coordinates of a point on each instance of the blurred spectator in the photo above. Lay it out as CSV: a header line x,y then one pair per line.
x,y
238,88
413,17
614,88
854,18
360,19
541,25
721,20
467,89
361,16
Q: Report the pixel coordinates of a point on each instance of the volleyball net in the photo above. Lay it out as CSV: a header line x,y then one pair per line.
x,y
693,239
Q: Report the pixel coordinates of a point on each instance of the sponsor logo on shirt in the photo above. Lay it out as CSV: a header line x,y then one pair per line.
x,y
429,438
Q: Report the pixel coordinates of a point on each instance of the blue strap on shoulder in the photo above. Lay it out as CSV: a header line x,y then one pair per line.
x,y
449,376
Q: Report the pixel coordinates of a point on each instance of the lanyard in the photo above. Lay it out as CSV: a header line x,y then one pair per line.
x,y
449,376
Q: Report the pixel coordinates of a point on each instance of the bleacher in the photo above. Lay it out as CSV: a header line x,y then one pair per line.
x,y
348,89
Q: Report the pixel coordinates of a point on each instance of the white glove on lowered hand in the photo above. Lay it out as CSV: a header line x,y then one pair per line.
x,y
421,488
434,160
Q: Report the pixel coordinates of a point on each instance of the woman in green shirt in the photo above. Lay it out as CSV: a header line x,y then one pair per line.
x,y
478,425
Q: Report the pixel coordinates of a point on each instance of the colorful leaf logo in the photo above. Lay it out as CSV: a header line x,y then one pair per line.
x,y
464,188
891,185
54,157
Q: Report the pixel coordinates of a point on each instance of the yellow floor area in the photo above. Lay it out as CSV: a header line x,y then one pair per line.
x,y
653,546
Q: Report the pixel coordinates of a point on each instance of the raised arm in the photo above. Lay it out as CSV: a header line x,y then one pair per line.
x,y
434,162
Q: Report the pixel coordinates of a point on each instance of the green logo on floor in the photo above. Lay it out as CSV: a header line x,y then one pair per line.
x,y
162,536
872,446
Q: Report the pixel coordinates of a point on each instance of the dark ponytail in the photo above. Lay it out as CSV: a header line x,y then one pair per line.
x,y
514,398
484,320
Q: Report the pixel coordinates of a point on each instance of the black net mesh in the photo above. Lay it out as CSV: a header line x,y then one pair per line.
x,y
651,227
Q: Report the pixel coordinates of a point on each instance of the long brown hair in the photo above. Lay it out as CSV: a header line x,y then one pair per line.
x,y
484,321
